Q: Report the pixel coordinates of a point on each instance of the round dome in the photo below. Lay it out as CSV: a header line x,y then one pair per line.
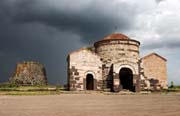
x,y
116,36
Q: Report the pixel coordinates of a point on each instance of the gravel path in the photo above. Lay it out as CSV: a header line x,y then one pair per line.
x,y
90,105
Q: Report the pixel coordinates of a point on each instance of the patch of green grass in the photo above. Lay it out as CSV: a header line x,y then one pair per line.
x,y
8,89
29,93
8,85
12,89
174,89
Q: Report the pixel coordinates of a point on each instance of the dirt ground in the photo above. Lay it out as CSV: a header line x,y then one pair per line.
x,y
91,105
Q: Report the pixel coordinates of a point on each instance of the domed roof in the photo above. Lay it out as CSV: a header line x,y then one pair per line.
x,y
116,36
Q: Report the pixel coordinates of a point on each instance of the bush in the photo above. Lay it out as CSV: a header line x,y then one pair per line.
x,y
172,85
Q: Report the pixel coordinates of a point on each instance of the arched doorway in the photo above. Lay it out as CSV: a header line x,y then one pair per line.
x,y
126,79
89,82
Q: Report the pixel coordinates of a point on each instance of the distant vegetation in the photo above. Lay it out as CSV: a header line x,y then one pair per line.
x,y
172,84
14,89
174,88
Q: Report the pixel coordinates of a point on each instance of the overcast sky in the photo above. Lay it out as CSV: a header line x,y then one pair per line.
x,y
46,30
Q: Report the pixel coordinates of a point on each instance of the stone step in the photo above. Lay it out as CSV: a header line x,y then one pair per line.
x,y
107,90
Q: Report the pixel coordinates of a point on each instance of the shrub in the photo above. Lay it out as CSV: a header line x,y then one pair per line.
x,y
172,85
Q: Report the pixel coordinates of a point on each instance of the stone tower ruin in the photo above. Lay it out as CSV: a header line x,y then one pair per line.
x,y
29,73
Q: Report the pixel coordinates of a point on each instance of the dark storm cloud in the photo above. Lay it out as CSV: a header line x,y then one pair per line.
x,y
36,42
92,22
41,31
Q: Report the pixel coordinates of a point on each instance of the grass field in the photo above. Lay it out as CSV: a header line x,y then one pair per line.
x,y
12,89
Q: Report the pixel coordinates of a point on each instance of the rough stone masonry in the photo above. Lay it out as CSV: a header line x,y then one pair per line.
x,y
114,64
29,73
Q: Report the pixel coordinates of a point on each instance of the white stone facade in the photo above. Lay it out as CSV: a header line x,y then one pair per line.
x,y
81,63
112,64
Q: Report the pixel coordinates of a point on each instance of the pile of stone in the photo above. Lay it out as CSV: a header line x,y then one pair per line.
x,y
29,73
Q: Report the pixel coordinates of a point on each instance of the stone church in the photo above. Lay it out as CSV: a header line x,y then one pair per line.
x,y
114,64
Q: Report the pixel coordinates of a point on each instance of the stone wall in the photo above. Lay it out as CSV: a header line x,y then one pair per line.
x,y
105,61
117,50
155,70
29,73
118,54
81,63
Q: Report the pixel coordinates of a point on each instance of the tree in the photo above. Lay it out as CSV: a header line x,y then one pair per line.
x,y
172,84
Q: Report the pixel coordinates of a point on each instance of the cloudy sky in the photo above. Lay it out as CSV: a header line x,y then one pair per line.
x,y
46,30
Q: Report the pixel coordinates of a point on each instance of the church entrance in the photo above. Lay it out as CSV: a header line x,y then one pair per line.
x,y
89,82
126,79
